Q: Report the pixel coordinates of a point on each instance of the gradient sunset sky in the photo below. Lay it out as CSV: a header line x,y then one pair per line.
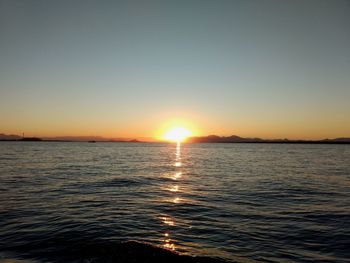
x,y
270,69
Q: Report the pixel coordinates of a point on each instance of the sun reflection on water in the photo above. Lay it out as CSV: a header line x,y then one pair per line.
x,y
178,155
167,242
174,188
178,151
176,200
177,175
167,220
178,164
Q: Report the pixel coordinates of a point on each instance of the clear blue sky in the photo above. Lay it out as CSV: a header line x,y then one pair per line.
x,y
123,68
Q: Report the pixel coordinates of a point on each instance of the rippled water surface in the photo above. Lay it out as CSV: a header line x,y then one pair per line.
x,y
239,202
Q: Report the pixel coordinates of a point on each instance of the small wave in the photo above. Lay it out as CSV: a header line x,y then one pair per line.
x,y
117,182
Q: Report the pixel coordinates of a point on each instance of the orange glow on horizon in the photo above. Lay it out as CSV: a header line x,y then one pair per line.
x,y
175,129
177,134
153,128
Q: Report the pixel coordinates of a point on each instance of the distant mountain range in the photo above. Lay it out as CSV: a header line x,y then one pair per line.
x,y
5,137
237,139
9,137
200,139
84,138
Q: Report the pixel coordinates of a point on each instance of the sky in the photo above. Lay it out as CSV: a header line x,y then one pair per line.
x,y
254,68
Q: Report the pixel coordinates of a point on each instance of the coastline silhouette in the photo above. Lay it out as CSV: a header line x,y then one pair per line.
x,y
197,139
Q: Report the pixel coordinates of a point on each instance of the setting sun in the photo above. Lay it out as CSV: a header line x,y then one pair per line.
x,y
177,134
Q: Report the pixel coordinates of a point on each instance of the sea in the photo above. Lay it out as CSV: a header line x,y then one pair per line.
x,y
111,201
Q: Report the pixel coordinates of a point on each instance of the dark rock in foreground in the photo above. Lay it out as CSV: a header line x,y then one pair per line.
x,y
132,251
93,251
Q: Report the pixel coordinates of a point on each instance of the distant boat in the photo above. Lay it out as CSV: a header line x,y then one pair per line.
x,y
92,141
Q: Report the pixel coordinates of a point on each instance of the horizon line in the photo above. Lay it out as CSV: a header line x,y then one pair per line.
x,y
154,139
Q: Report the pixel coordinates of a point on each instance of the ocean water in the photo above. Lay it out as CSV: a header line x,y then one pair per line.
x,y
74,202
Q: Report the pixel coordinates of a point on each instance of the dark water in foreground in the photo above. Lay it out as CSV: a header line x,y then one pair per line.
x,y
76,202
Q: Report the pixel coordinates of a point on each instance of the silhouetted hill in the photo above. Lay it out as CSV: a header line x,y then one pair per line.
x,y
9,137
76,138
337,140
134,140
198,139
237,139
89,139
222,139
4,137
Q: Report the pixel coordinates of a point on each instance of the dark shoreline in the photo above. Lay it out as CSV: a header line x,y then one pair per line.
x,y
108,252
